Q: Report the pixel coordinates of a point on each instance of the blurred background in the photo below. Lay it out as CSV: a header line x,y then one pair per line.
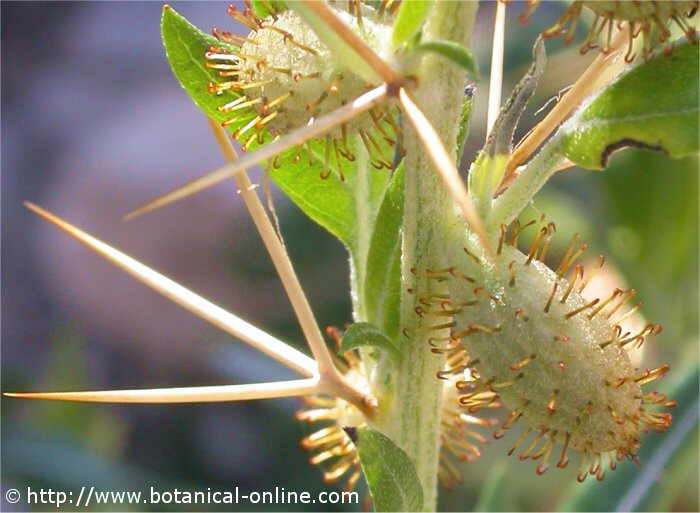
x,y
94,124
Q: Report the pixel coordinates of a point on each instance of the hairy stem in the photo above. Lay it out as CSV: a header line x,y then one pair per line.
x,y
515,198
411,413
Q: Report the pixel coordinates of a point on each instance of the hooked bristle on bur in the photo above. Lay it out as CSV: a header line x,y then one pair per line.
x,y
282,77
459,438
648,18
332,445
557,360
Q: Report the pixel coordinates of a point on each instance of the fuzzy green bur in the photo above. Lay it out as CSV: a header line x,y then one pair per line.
x,y
536,353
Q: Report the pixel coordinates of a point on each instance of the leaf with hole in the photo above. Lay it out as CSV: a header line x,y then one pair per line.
x,y
652,105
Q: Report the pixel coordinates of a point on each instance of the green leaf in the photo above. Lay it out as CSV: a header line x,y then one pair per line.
x,y
455,52
328,201
631,487
409,20
185,46
390,474
651,105
265,8
382,290
346,208
652,233
363,334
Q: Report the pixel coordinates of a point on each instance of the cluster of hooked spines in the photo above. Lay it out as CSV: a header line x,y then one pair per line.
x,y
556,360
282,77
648,18
332,447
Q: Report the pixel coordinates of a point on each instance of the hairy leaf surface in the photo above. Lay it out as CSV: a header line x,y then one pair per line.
x,y
651,105
382,290
409,20
391,476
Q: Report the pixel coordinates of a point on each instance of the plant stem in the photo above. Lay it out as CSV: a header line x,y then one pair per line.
x,y
519,194
411,415
443,163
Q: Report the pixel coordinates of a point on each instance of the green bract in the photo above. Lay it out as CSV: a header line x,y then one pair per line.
x,y
363,334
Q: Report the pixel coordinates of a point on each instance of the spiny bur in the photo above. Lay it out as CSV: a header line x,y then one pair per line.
x,y
649,18
557,361
331,445
284,78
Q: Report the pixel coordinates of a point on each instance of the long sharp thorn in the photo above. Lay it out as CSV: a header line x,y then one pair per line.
x,y
209,394
196,304
586,84
279,257
295,138
496,79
